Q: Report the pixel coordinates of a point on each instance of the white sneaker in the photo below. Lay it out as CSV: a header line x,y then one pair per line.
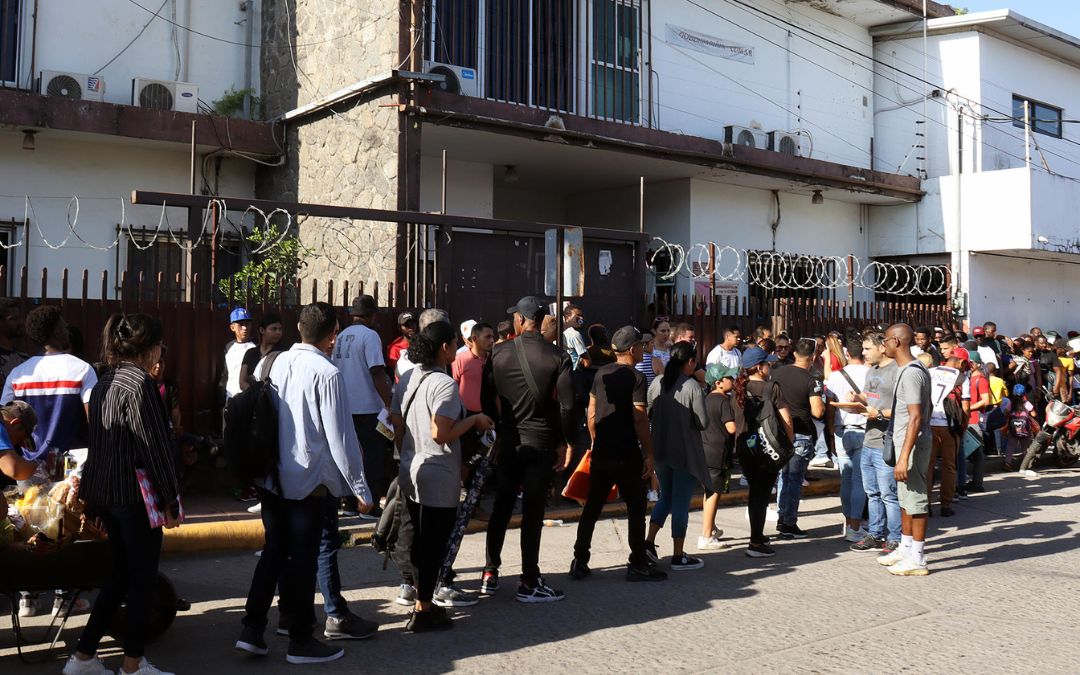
x,y
709,544
145,668
257,508
91,666
28,605
805,483
59,603
742,482
652,496
909,568
820,462
1029,474
890,559
854,535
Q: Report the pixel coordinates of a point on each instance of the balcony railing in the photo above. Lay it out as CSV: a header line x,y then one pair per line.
x,y
581,57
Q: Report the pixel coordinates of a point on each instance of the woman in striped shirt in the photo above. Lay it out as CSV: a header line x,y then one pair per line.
x,y
128,431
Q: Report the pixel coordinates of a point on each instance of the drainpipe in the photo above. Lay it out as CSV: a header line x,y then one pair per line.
x,y
249,25
33,46
185,71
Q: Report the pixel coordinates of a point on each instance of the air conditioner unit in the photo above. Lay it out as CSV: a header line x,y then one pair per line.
x,y
164,95
785,143
76,86
459,80
746,137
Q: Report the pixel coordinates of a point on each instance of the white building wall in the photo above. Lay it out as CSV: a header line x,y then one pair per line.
x,y
82,37
813,88
1018,293
101,171
469,187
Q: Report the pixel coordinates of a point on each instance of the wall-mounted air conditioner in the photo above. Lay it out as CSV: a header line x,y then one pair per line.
x,y
459,80
76,86
746,137
164,95
785,143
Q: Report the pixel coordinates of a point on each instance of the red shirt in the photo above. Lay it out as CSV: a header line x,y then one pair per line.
x,y
468,372
393,354
979,386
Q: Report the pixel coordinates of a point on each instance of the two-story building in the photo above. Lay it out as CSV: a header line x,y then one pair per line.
x,y
1002,192
752,125
100,98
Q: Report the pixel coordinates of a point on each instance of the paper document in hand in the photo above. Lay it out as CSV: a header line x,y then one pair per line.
x,y
385,426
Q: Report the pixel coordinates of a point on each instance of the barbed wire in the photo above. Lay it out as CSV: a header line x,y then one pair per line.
x,y
777,270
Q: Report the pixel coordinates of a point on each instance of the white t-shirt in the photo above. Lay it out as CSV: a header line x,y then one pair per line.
x,y
727,358
938,393
234,357
989,356
358,349
838,390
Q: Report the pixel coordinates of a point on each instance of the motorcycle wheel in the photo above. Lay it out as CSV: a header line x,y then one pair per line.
x,y
1066,455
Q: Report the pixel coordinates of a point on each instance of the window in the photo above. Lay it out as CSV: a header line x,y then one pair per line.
x,y
1045,119
9,39
615,71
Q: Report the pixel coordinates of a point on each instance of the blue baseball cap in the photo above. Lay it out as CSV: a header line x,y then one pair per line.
x,y
240,314
1019,390
755,356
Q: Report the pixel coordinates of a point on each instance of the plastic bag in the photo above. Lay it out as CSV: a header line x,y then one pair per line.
x,y
577,488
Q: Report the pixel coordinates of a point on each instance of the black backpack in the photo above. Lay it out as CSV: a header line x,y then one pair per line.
x,y
771,445
251,430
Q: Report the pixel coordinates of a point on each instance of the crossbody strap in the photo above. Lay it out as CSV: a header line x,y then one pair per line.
x,y
529,379
850,381
405,410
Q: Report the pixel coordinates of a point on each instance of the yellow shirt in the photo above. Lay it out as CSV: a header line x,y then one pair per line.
x,y
1068,363
998,390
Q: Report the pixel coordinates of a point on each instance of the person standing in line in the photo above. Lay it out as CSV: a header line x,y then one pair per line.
x,y
661,330
803,393
645,366
429,417
468,367
600,353
727,353
358,355
751,389
783,351
911,436
924,343
573,340
12,330
128,434
849,431
945,429
622,455
504,332
407,327
466,334
979,388
677,411
241,324
528,388
718,439
270,334
318,463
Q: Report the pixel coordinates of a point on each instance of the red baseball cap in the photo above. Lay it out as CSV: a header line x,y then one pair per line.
x,y
978,331
961,354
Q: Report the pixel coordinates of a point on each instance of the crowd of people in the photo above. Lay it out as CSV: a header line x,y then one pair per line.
x,y
394,432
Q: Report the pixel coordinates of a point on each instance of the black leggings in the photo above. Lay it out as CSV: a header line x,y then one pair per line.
x,y
431,531
136,548
761,483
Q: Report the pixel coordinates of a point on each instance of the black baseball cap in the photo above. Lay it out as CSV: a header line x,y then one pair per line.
x,y
628,336
530,307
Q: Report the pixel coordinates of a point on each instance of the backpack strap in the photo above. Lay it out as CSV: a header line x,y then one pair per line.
x,y
267,364
529,379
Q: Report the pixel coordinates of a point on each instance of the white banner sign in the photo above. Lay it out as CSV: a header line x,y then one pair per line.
x,y
708,44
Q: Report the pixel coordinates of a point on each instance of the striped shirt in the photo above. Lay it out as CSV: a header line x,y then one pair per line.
x,y
57,386
128,430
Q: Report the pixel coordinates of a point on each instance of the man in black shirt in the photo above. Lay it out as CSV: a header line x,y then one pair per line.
x,y
11,331
618,423
803,393
533,409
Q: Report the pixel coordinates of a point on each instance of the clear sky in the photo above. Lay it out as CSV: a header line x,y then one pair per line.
x,y
1063,15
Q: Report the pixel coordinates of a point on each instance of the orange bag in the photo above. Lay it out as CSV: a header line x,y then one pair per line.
x,y
577,488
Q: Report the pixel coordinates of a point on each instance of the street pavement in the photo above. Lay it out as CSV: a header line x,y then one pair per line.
x,y
1002,597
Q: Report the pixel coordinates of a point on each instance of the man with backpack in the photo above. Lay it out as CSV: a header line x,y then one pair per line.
x,y
318,461
530,378
947,423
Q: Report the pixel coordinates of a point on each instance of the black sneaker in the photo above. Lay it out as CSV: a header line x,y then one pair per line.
x,y
760,551
973,487
541,592
349,627
889,546
312,651
434,619
579,570
450,595
683,562
868,543
947,511
251,641
489,583
650,550
644,573
791,532
961,494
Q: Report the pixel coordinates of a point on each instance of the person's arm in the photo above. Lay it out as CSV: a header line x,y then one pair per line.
x,y
730,428
657,366
699,414
374,359
591,420
147,417
789,425
641,428
447,429
817,406
915,415
14,466
382,383
341,437
245,377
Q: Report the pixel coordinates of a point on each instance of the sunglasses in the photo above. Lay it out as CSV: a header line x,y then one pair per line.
x,y
783,347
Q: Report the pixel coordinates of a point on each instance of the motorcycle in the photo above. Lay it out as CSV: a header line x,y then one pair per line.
x,y
1061,434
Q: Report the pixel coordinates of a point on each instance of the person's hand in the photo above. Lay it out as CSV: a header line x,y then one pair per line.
x,y
647,473
900,471
171,521
364,505
872,412
563,453
850,397
482,423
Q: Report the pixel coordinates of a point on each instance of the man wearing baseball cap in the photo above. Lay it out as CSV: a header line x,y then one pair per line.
x,y
16,432
535,419
406,323
240,323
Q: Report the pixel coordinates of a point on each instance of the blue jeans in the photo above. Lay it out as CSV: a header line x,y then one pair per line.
x,y
849,460
329,578
821,448
789,488
879,481
676,489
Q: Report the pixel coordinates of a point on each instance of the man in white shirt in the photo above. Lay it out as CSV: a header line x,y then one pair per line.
x,y
241,324
725,353
986,346
944,380
849,429
319,462
358,354
573,340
